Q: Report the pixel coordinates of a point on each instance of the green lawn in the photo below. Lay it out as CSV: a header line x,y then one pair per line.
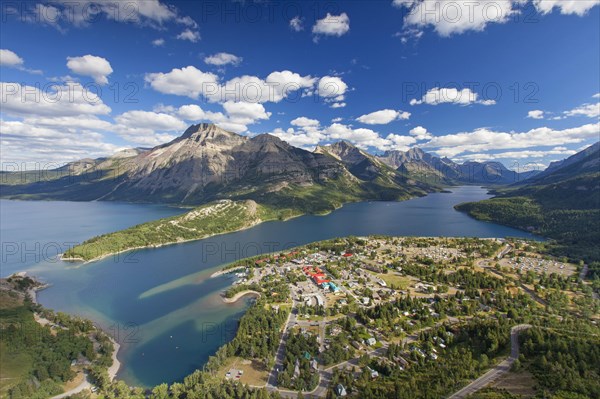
x,y
396,280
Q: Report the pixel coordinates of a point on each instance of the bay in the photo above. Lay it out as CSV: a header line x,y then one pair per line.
x,y
162,305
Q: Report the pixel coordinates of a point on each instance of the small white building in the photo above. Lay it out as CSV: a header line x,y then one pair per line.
x,y
340,390
374,373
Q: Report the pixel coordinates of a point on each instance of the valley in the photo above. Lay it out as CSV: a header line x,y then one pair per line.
x,y
230,173
562,203
250,199
329,316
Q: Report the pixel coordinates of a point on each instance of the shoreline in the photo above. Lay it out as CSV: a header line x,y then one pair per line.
x,y
239,295
33,292
325,213
226,271
116,364
85,262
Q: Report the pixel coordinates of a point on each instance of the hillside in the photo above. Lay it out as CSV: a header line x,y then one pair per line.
x,y
562,203
215,218
206,164
44,352
434,170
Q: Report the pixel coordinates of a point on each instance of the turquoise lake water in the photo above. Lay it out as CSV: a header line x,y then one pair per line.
x,y
160,304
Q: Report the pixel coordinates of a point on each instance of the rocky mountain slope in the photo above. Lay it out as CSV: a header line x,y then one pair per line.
x,y
208,163
417,163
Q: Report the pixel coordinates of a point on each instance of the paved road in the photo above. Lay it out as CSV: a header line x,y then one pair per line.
x,y
584,272
531,292
85,384
497,371
506,250
279,356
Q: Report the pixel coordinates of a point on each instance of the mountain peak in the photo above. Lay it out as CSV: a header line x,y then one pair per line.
x,y
416,151
267,138
343,144
203,131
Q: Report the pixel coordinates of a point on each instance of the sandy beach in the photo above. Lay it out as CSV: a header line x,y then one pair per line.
x,y
239,295
226,271
116,364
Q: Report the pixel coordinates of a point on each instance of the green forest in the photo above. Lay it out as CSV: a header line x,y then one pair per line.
x,y
567,212
39,358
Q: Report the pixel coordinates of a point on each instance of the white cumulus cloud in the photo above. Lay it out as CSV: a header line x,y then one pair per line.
x,y
9,58
95,67
192,82
300,138
148,128
245,113
332,25
188,81
296,24
191,112
304,122
190,35
383,117
70,99
488,140
221,59
448,17
578,7
333,90
439,95
236,117
51,142
588,110
535,114
420,133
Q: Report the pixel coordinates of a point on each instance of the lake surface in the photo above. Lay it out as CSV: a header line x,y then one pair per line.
x,y
161,304
36,231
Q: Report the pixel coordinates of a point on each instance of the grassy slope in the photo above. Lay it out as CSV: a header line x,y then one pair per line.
x,y
567,211
211,219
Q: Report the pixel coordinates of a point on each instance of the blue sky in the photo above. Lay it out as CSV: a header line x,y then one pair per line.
x,y
512,80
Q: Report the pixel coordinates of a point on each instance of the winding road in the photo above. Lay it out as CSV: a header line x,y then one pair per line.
x,y
500,369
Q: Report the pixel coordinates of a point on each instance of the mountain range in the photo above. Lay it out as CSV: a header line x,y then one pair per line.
x,y
562,203
208,163
267,178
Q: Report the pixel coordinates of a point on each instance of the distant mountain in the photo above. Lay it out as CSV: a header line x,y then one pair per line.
x,y
208,163
563,203
415,162
360,163
586,161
